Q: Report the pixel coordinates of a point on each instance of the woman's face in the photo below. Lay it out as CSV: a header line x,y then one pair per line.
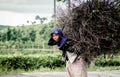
x,y
55,37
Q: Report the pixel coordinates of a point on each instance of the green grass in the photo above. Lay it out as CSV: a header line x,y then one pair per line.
x,y
4,71
42,69
106,68
27,52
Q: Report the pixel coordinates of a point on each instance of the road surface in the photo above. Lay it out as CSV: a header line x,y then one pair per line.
x,y
114,73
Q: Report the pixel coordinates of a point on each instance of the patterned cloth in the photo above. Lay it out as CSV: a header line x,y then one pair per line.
x,y
71,56
77,69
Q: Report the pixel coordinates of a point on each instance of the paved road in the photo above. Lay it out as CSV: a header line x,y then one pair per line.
x,y
115,73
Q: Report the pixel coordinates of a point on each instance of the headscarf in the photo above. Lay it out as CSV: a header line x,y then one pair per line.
x,y
51,42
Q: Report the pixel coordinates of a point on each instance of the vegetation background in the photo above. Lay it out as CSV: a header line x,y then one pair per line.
x,y
24,49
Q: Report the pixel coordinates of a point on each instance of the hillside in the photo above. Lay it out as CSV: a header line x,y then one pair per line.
x,y
29,36
3,27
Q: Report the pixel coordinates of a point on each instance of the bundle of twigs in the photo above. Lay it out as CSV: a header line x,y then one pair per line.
x,y
94,24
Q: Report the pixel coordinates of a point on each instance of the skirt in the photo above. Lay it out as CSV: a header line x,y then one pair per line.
x,y
77,69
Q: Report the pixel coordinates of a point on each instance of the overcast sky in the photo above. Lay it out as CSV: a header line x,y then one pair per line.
x,y
17,12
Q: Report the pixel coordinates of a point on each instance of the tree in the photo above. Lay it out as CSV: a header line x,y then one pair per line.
x,y
3,36
42,19
32,35
37,18
33,22
9,31
28,21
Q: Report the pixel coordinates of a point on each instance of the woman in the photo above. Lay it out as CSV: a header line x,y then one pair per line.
x,y
75,64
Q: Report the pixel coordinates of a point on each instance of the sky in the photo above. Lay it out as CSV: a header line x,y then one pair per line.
x,y
18,12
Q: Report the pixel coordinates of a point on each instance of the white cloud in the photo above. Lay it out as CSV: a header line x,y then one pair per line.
x,y
28,6
13,18
17,12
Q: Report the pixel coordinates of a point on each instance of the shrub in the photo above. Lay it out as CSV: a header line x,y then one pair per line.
x,y
107,62
31,62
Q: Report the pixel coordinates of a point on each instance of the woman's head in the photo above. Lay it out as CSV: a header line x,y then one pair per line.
x,y
57,38
56,35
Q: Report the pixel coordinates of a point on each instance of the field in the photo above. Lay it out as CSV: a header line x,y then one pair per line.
x,y
25,49
42,61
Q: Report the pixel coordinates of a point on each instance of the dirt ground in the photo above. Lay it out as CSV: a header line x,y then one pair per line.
x,y
114,73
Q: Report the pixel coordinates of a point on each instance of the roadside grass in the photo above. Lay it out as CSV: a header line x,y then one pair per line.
x,y
106,68
4,71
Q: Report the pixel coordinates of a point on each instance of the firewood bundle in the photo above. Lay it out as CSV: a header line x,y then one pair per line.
x,y
94,25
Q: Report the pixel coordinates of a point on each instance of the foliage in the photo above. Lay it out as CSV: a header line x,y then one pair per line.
x,y
31,62
25,61
25,52
107,62
32,36
42,19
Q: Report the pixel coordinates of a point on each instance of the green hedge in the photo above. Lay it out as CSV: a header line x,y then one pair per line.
x,y
107,62
31,62
44,60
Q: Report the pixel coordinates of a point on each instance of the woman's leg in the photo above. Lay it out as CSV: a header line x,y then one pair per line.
x,y
77,68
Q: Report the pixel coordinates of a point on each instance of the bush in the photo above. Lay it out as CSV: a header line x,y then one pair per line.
x,y
52,61
31,62
107,62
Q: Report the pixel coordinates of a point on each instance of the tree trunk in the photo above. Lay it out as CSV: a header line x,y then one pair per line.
x,y
54,13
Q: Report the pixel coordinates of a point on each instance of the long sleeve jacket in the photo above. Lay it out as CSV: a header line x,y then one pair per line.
x,y
70,50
